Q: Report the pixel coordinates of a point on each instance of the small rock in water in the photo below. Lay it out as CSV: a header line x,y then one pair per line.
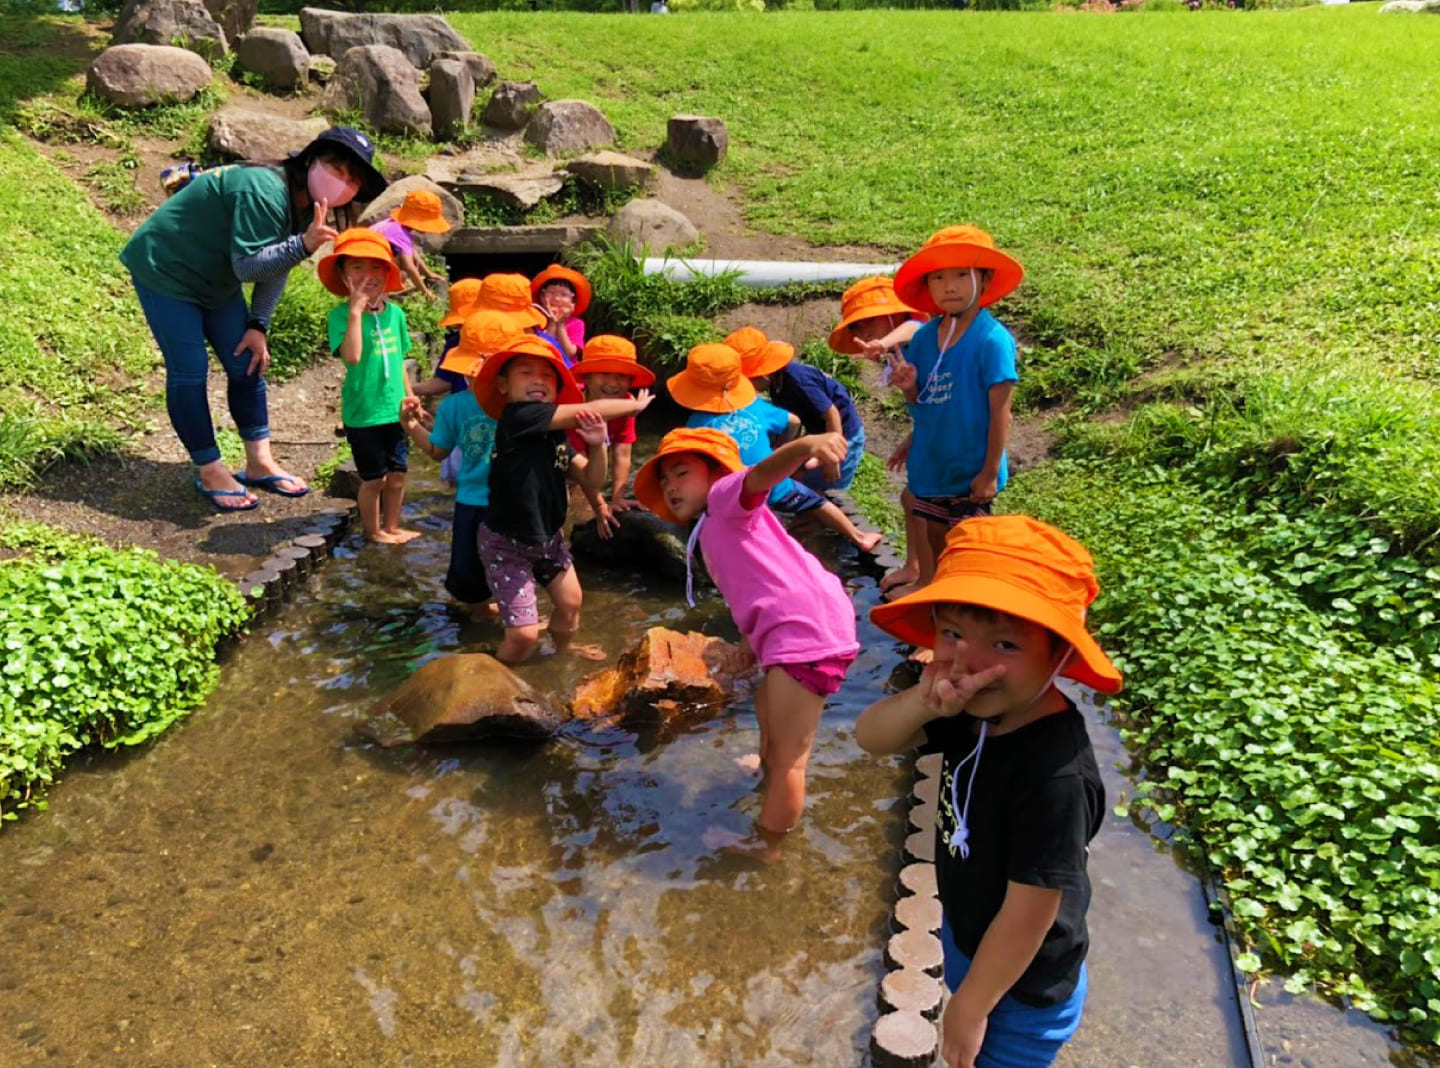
x,y
462,698
666,676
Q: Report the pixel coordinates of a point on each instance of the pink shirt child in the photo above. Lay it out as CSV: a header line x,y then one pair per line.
x,y
790,608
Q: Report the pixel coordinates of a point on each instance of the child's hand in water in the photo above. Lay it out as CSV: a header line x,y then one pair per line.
x,y
827,452
590,425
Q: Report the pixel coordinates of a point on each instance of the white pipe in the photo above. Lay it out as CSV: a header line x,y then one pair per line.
x,y
765,272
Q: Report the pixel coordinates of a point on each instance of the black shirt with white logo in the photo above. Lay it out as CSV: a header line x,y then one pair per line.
x,y
528,495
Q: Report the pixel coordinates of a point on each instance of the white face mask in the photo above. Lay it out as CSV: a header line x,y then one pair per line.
x,y
327,184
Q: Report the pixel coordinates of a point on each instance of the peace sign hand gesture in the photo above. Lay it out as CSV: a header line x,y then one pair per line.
x,y
319,231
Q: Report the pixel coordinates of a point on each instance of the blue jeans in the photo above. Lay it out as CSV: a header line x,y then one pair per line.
x,y
1018,1035
182,330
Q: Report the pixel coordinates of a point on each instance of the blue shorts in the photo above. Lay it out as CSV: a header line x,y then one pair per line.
x,y
799,499
815,478
1018,1035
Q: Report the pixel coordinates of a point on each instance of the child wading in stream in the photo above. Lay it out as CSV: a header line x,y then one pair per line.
x,y
1020,792
793,613
957,377
526,387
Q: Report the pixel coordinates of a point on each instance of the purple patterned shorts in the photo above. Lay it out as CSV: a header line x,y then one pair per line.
x,y
514,569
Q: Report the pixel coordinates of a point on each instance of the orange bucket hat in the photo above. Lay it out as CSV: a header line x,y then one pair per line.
x,y
362,244
712,381
1019,566
559,273
482,334
510,293
463,295
487,389
421,210
706,440
869,298
758,354
608,353
956,246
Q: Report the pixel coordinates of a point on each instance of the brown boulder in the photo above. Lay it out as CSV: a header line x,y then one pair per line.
x,y
462,698
613,170
696,141
382,84
667,677
512,104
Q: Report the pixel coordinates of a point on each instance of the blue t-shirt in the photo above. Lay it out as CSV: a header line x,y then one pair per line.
x,y
809,392
460,421
752,427
952,411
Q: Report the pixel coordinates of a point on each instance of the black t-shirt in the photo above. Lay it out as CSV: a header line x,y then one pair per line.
x,y
528,496
1036,803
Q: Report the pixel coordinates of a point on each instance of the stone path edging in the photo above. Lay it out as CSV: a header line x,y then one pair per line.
x,y
272,582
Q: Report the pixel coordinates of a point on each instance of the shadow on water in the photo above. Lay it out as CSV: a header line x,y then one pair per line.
x,y
262,885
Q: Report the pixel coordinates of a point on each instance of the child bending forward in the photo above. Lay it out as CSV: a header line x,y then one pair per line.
x,y
1020,793
793,612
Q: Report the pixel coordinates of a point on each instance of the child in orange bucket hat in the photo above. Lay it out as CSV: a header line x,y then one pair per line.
x,y
463,297
526,387
371,335
1020,791
420,212
715,389
794,613
958,375
563,295
611,370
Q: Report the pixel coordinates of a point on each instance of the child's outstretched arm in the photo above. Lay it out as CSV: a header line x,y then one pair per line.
x,y
407,261
564,417
622,476
901,335
1006,950
826,451
413,418
983,486
590,425
895,723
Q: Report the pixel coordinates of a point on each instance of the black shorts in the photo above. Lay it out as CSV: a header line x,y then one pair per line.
x,y
378,450
465,578
948,510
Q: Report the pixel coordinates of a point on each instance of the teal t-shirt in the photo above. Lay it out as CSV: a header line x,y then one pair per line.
x,y
753,427
184,250
375,386
461,422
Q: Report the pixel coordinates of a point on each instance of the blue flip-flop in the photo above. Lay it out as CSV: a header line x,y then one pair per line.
x,y
271,484
216,497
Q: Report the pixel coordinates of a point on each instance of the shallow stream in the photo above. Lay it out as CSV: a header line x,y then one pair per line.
x,y
262,886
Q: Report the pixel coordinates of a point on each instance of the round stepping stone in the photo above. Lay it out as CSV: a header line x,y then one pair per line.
x,y
303,557
929,765
261,589
287,570
917,913
927,791
915,949
920,846
317,543
903,1040
918,879
922,817
911,990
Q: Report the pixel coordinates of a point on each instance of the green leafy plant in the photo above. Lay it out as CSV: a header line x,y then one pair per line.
x,y
102,647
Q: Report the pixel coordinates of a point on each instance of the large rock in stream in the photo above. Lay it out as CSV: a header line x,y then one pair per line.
x,y
667,677
644,542
467,697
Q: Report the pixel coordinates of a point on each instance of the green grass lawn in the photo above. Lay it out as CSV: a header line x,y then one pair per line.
x,y
1232,235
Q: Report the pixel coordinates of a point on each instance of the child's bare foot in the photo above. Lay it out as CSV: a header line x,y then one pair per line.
x,y
866,542
399,536
901,576
381,537
749,762
921,656
588,652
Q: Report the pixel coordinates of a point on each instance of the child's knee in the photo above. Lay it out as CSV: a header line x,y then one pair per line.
x,y
520,643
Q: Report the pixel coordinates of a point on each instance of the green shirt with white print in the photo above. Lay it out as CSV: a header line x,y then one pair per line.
x,y
375,386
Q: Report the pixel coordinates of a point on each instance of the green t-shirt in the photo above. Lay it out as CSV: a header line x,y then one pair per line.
x,y
184,249
375,386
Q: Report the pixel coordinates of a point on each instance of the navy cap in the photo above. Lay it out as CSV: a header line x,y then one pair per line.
x,y
362,151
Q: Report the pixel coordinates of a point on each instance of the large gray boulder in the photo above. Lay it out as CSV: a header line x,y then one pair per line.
x,y
644,542
565,127
522,189
482,71
462,698
384,86
452,95
241,133
180,23
138,75
512,104
234,16
394,195
420,37
650,224
276,55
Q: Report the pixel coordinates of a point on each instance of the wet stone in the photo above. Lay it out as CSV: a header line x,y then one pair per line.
x,y
922,817
903,1040
304,559
911,990
918,913
918,879
287,569
929,765
927,791
665,676
915,949
920,845
317,544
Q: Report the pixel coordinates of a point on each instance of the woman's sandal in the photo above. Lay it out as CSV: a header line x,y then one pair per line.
x,y
271,484
216,497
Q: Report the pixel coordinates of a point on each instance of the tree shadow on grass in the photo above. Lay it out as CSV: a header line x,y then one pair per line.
x,y
40,54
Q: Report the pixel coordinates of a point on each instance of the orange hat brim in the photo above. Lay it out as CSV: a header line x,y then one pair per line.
x,y
689,393
647,479
329,274
424,224
841,340
558,272
462,361
486,386
911,619
910,279
640,377
774,356
457,318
